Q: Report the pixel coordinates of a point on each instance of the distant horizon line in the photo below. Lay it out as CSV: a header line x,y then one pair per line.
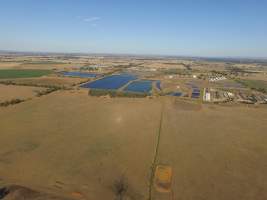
x,y
134,55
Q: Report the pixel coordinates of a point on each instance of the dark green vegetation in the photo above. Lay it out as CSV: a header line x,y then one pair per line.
x,y
258,85
215,72
114,93
55,87
89,68
11,102
25,73
46,92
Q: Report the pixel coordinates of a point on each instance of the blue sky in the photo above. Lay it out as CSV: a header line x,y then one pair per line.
x,y
235,28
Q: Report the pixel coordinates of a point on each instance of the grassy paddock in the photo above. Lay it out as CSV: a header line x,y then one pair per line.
x,y
22,73
258,85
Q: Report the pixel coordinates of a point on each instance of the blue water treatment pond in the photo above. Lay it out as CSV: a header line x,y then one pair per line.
x,y
176,94
144,86
158,85
110,82
195,95
80,74
196,90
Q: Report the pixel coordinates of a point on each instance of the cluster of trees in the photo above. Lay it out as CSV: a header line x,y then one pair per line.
x,y
120,188
89,68
45,92
215,73
201,76
32,85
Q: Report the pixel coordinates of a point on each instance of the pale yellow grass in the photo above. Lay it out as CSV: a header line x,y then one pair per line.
x,y
68,142
9,92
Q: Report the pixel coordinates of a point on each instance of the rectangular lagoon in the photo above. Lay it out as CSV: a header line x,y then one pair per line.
x,y
195,95
176,94
144,86
80,74
158,85
112,82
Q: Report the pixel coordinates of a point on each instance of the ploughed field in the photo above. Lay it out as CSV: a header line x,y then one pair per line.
x,y
71,144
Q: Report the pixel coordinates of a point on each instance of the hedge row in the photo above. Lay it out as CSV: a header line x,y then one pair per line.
x,y
45,92
32,85
11,102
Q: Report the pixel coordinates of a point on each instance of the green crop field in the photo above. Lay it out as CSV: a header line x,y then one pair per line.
x,y
258,85
22,73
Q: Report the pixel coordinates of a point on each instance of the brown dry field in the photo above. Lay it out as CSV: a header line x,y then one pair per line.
x,y
217,152
260,76
22,62
9,65
17,65
68,143
9,92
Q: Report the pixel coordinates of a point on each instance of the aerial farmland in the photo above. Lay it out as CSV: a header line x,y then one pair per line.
x,y
92,128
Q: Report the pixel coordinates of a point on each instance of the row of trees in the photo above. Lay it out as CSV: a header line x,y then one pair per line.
x,y
114,93
11,102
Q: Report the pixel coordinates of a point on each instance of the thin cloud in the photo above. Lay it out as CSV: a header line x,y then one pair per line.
x,y
91,19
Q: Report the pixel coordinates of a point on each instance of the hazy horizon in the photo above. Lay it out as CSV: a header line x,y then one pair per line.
x,y
133,55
